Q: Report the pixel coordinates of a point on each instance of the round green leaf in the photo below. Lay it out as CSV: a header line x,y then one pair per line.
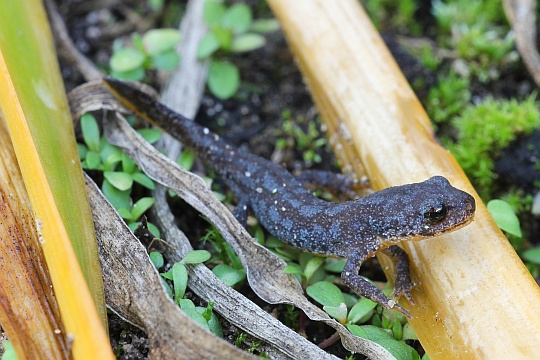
x,y
337,312
132,75
150,135
335,265
247,42
213,12
370,332
82,150
119,199
141,206
111,160
195,315
144,180
532,255
397,329
157,41
90,132
208,45
92,161
237,17
128,165
361,311
325,293
126,214
166,61
107,151
154,230
504,216
186,304
120,180
312,265
180,278
157,259
293,269
186,159
229,275
126,59
215,325
223,79
196,257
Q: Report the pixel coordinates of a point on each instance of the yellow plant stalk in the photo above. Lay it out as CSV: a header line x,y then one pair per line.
x,y
29,313
475,299
77,308
33,101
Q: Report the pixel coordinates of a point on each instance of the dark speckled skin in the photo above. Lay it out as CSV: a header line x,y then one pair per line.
x,y
355,230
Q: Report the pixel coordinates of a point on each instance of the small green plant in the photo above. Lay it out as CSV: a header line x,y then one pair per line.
x,y
154,50
504,216
478,33
231,30
230,269
178,275
388,328
487,128
448,98
307,141
119,171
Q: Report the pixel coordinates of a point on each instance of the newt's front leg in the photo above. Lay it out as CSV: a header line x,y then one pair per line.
x,y
403,284
350,277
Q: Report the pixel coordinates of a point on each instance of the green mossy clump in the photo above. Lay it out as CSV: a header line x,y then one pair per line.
x,y
487,128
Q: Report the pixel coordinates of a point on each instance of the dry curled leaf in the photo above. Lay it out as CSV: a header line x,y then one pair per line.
x,y
134,291
522,16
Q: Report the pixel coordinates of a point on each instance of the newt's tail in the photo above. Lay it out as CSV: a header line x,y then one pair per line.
x,y
207,145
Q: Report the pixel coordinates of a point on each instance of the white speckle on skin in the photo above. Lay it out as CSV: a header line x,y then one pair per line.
x,y
216,137
391,303
274,191
206,131
247,173
283,209
259,190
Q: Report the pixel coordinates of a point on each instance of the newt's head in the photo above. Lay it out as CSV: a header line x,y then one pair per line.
x,y
421,210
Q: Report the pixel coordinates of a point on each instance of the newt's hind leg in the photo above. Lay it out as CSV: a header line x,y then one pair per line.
x,y
334,182
350,277
403,284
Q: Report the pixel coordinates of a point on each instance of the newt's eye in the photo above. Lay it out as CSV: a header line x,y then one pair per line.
x,y
436,214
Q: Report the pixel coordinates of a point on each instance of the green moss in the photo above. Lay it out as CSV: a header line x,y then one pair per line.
x,y
448,98
397,15
487,128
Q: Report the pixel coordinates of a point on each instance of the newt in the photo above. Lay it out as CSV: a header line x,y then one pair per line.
x,y
355,230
